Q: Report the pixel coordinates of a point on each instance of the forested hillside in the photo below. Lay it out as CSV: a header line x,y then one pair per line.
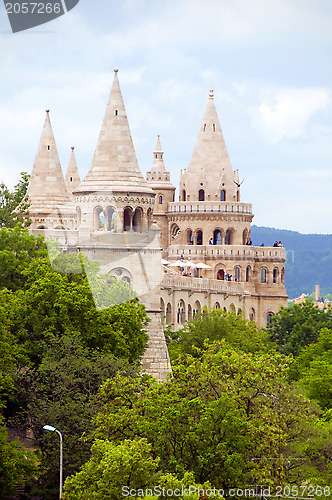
x,y
309,258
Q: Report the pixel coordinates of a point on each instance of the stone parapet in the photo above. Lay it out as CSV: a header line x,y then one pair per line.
x,y
212,252
209,207
202,284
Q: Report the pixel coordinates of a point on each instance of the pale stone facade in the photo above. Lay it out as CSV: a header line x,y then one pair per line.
x,y
116,217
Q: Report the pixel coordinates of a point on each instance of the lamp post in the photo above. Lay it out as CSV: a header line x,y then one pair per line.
x,y
52,429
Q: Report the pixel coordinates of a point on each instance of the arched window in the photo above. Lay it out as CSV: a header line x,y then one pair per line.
x,y
237,273
252,314
184,195
190,312
197,308
220,274
99,219
228,237
127,219
217,237
169,314
245,236
263,275
217,305
248,274
150,217
181,316
110,218
199,235
275,275
138,220
268,317
201,195
190,238
160,199
222,195
175,231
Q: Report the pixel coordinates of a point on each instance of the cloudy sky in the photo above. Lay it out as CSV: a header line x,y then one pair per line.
x,y
269,63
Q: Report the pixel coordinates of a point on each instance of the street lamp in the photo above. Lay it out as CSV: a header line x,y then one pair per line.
x,y
52,429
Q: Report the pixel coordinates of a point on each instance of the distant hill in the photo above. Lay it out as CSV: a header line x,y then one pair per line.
x,y
309,258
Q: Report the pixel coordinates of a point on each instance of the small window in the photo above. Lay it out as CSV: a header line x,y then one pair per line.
x,y
48,147
248,274
237,273
116,112
160,200
204,127
184,195
214,127
201,195
263,275
222,195
71,179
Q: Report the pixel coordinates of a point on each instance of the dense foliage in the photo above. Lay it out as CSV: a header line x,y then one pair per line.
x,y
14,207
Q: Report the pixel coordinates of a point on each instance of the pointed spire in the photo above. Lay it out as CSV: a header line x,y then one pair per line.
x,y
209,169
158,176
72,177
47,188
114,166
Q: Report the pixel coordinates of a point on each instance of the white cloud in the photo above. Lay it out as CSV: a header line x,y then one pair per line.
x,y
286,112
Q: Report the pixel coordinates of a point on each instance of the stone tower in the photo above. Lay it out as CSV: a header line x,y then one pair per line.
x,y
159,180
115,222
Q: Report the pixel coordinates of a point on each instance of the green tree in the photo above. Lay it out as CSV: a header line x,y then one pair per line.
x,y
213,416
294,328
17,250
214,325
313,367
16,463
10,215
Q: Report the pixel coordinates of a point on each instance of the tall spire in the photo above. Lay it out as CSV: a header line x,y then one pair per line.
x,y
72,177
210,168
114,166
158,176
47,189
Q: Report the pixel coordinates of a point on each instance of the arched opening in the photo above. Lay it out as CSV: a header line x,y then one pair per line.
x,y
201,195
162,310
217,305
217,237
222,195
184,195
110,218
60,227
169,314
99,219
126,279
220,274
127,219
263,275
189,237
175,231
150,217
160,199
190,312
197,308
229,237
181,314
283,275
275,275
245,236
199,236
138,220
239,312
268,317
232,308
252,314
237,273
42,227
248,274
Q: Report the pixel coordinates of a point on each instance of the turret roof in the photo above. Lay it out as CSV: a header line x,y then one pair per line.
x,y
72,177
47,189
114,166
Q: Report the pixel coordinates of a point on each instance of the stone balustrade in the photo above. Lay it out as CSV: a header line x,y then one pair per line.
x,y
212,252
202,284
209,207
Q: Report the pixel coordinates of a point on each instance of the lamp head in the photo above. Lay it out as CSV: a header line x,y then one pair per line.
x,y
49,428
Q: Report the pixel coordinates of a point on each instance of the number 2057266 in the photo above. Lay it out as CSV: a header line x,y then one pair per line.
x,y
33,8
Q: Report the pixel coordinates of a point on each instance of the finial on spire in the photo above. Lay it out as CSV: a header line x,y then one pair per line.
x,y
116,70
47,111
211,96
72,148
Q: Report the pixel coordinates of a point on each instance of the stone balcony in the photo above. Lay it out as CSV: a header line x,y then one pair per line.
x,y
209,207
202,284
216,252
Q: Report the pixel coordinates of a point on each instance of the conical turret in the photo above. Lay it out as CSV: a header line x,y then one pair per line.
x,y
114,166
209,175
47,190
158,176
72,177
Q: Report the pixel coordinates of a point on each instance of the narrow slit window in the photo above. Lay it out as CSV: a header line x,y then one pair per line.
x,y
48,147
116,112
